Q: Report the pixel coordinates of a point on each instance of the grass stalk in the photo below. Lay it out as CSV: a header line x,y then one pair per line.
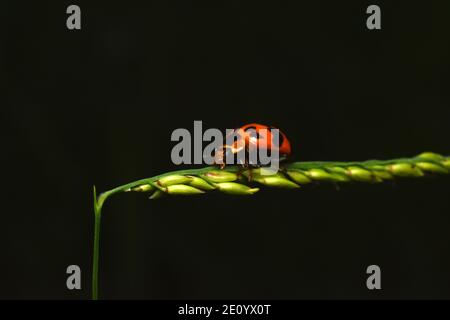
x,y
237,181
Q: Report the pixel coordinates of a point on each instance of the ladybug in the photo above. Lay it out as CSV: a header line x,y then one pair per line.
x,y
253,137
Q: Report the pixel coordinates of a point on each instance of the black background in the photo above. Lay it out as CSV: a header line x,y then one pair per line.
x,y
98,105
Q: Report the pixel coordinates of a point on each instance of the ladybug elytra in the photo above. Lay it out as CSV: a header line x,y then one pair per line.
x,y
253,137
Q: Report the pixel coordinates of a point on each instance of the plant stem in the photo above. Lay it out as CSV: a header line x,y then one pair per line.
x,y
97,217
427,162
98,204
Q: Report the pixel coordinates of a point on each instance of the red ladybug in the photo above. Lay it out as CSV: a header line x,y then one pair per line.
x,y
255,136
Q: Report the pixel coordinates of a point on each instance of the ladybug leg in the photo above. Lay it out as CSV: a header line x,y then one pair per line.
x,y
249,169
221,165
250,174
245,167
241,170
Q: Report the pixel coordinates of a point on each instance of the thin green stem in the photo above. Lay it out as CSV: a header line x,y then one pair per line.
x,y
98,204
97,218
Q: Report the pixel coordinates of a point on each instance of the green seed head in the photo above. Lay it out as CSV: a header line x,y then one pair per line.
x,y
235,188
405,170
277,181
298,177
173,179
446,163
338,174
337,170
319,174
430,156
360,174
157,194
219,176
143,188
181,189
268,178
322,175
381,174
200,183
431,167
377,167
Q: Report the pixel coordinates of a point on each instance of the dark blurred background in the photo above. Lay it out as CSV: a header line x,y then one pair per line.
x,y
98,105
